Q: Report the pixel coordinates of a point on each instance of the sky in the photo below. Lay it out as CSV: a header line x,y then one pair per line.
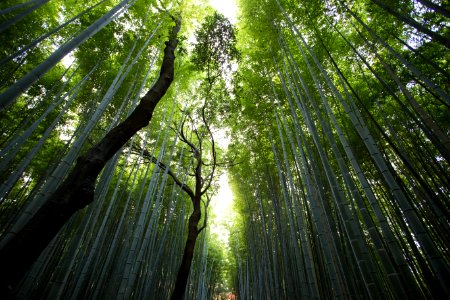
x,y
226,7
222,210
222,203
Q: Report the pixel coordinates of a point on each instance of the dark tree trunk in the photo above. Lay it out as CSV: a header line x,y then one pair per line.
x,y
188,254
77,190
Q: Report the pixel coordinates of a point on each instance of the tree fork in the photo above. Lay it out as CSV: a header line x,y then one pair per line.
x,y
77,190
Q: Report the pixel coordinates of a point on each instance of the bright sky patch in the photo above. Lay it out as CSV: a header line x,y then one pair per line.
x,y
226,7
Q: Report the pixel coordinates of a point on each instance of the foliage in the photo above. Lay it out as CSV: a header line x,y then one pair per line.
x,y
318,81
338,117
214,50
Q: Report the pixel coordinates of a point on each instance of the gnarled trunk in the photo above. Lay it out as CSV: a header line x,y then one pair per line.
x,y
77,191
188,254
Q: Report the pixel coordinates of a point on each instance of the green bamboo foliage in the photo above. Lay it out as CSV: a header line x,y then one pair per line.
x,y
8,96
361,231
4,25
340,149
34,43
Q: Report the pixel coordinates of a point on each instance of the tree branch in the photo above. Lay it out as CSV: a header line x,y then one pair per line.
x,y
164,167
210,176
205,220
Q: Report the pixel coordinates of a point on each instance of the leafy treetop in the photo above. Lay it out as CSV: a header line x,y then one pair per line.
x,y
215,50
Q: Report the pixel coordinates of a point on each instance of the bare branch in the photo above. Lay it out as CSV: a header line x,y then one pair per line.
x,y
205,220
162,9
164,167
213,149
185,140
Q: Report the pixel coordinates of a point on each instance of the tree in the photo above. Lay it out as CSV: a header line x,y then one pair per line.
x,y
197,196
214,52
78,188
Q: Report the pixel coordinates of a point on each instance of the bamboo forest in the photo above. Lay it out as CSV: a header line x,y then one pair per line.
x,y
225,149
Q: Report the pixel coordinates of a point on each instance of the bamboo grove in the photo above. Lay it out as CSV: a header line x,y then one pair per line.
x,y
338,116
347,190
